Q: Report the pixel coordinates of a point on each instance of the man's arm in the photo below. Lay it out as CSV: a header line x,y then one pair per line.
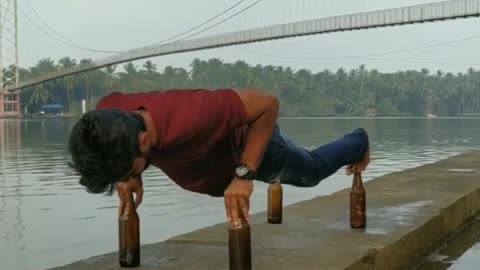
x,y
261,112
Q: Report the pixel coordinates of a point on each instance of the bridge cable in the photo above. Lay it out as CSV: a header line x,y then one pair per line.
x,y
222,21
394,60
66,39
198,26
48,33
373,54
71,43
204,30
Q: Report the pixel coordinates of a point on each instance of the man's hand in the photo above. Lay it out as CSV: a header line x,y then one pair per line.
x,y
360,165
237,199
125,191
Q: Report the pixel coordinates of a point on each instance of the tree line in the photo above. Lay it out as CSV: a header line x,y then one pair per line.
x,y
356,92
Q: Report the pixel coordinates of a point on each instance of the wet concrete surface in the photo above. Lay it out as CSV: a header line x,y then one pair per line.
x,y
409,214
461,252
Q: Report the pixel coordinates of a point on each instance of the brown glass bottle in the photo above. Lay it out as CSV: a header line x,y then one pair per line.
x,y
275,203
129,239
358,215
239,246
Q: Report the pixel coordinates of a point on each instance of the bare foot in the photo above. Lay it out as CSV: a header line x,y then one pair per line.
x,y
360,165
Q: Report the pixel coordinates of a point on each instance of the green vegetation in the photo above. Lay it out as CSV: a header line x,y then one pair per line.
x,y
356,92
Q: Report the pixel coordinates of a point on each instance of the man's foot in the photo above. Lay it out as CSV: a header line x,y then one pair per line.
x,y
360,165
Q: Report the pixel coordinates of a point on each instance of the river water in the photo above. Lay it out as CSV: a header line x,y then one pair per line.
x,y
47,219
461,252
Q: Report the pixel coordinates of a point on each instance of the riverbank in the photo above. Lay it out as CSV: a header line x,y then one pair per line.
x,y
410,213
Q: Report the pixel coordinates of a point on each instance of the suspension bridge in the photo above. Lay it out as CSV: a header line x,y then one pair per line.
x,y
423,13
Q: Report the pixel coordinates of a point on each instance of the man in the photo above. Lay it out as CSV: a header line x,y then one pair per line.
x,y
210,142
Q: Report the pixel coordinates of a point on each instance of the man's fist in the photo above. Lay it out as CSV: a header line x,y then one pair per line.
x,y
237,199
125,192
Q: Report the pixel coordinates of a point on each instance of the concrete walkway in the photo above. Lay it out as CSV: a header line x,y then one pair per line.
x,y
409,214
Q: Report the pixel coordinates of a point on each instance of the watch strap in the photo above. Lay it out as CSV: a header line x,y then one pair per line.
x,y
250,175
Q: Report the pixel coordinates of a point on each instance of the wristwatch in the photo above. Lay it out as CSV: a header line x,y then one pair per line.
x,y
244,172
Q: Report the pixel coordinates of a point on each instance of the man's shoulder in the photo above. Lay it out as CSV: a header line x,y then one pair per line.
x,y
117,100
127,101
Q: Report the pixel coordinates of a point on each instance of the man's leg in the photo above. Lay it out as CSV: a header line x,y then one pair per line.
x,y
300,167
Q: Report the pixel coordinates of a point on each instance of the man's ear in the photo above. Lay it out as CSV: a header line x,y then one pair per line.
x,y
144,141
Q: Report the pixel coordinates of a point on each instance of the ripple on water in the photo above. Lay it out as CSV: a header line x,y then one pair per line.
x,y
32,195
84,218
107,207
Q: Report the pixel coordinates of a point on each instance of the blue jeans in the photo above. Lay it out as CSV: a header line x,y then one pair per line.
x,y
299,167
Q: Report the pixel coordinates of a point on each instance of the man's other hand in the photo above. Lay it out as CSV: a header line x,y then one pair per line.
x,y
125,192
237,199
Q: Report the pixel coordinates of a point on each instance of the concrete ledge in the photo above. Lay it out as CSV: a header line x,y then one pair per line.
x,y
410,213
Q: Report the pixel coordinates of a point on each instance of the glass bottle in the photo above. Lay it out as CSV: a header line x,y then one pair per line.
x,y
239,245
358,215
275,202
129,239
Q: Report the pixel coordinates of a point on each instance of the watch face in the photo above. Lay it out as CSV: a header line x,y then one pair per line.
x,y
241,171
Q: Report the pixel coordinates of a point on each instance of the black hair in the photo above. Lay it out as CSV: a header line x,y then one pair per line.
x,y
103,145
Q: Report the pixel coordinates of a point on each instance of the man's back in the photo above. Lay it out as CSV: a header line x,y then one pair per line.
x,y
201,134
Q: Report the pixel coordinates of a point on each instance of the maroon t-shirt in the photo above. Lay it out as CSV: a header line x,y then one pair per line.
x,y
201,134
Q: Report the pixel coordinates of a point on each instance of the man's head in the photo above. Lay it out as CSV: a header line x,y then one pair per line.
x,y
109,146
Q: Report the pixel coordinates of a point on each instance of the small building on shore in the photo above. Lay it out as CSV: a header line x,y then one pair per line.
x,y
9,103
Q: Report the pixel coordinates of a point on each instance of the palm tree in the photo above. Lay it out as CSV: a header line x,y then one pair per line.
x,y
69,81
110,78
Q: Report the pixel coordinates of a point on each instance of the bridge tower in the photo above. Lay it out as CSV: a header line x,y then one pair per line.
x,y
9,75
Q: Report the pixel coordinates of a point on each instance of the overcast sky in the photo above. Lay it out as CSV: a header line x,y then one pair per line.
x,y
126,24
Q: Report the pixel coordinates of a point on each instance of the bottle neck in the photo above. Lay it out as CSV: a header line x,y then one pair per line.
x,y
357,180
242,223
275,181
130,215
275,185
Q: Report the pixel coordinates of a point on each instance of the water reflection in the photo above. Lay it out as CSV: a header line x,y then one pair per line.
x,y
11,181
44,211
459,253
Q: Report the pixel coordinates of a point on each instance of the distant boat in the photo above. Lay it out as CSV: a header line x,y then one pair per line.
x,y
431,115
